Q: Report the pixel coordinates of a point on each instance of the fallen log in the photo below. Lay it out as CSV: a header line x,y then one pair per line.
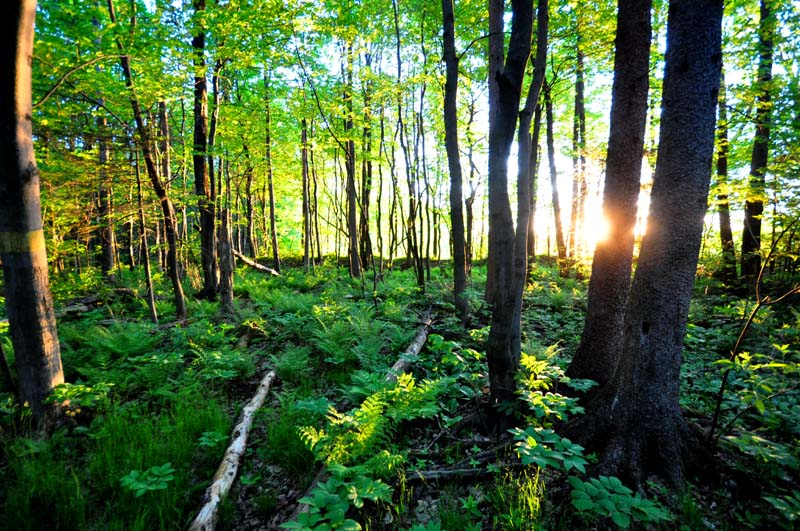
x,y
226,473
255,265
412,352
400,366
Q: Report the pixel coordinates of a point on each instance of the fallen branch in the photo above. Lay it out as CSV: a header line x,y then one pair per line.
x,y
255,265
458,473
412,352
226,473
401,365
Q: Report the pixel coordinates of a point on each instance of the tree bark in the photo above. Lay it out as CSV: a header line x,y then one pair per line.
x,y
22,244
250,236
106,210
754,204
578,157
168,210
454,160
224,247
561,247
202,180
728,270
350,167
273,231
636,421
306,195
598,351
148,275
502,349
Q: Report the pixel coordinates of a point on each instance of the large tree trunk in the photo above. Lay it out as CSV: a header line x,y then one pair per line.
x,y
224,250
170,223
636,422
502,350
148,274
728,270
551,157
22,244
597,353
454,160
754,205
202,180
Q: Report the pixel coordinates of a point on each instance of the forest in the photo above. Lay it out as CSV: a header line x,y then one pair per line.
x,y
402,265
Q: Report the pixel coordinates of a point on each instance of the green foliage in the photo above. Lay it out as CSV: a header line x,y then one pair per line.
x,y
154,478
788,506
331,500
517,501
545,448
608,497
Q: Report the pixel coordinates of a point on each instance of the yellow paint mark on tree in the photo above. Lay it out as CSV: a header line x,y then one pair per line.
x,y
22,242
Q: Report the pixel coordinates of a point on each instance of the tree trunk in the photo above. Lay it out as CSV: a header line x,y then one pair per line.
x,y
551,157
306,194
598,351
107,241
502,350
22,244
728,270
148,275
578,158
754,205
224,247
273,232
250,236
350,166
636,422
202,180
454,160
534,176
168,210
365,241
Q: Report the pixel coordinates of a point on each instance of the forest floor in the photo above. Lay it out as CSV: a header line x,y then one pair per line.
x,y
149,411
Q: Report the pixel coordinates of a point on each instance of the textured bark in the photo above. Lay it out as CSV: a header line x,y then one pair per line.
x,y
108,244
754,205
350,168
578,158
533,171
524,189
454,160
561,247
635,422
22,244
365,242
495,65
224,248
728,270
250,236
170,223
597,353
273,234
148,274
502,349
306,198
202,180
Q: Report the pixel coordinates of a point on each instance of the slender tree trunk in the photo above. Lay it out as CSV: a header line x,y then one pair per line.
x,y
22,243
151,295
315,206
728,270
350,167
454,160
306,195
273,232
534,173
203,181
366,170
502,350
551,157
105,199
578,158
170,224
250,234
598,351
224,246
635,423
754,205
